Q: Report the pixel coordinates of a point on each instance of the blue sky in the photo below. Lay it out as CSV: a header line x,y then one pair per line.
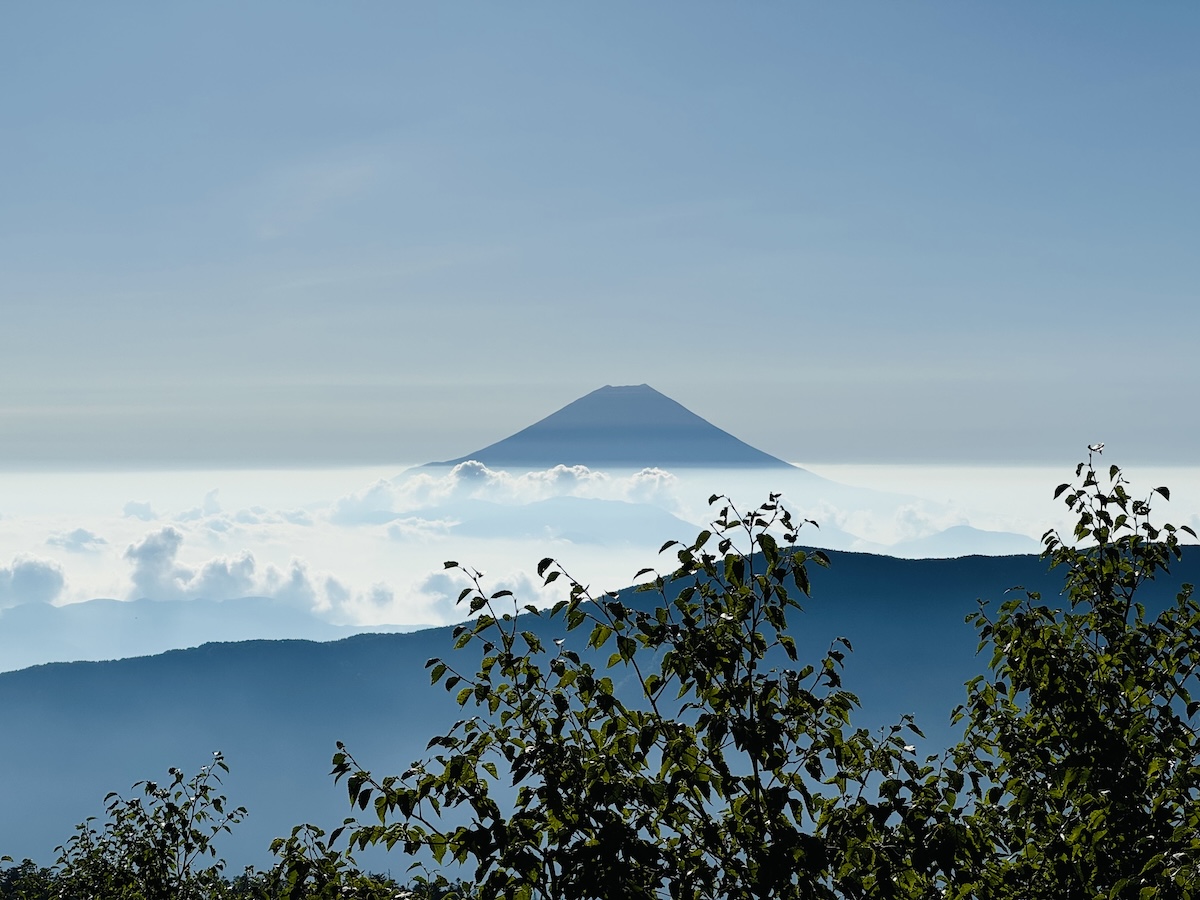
x,y
301,233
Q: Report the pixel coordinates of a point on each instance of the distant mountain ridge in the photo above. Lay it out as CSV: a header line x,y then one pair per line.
x,y
35,633
623,426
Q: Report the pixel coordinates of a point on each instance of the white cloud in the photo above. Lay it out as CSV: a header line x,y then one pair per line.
x,y
159,575
431,600
255,515
296,516
917,520
884,526
224,577
373,504
30,580
156,574
380,596
656,486
294,586
416,528
136,509
378,605
441,590
213,518
210,507
384,500
336,593
78,541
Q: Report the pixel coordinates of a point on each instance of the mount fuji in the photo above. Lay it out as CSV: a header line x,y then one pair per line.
x,y
622,427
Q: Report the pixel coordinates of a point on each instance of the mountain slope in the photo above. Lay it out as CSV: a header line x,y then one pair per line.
x,y
628,426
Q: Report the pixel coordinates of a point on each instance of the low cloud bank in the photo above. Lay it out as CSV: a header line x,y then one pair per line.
x,y
387,500
30,580
159,575
139,509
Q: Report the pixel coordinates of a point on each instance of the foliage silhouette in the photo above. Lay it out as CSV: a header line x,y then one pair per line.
x,y
1082,742
722,769
157,846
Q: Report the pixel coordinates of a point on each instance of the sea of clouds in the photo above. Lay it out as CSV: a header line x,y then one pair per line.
x,y
355,549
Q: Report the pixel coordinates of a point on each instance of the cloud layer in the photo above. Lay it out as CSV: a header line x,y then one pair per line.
x,y
350,547
159,575
388,499
30,580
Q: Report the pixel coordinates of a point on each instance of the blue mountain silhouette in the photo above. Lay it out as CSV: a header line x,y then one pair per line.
x,y
624,426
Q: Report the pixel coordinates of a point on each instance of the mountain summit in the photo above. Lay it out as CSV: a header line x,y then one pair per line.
x,y
627,426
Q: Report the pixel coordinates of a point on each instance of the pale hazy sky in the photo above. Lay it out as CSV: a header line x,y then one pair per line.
x,y
269,233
